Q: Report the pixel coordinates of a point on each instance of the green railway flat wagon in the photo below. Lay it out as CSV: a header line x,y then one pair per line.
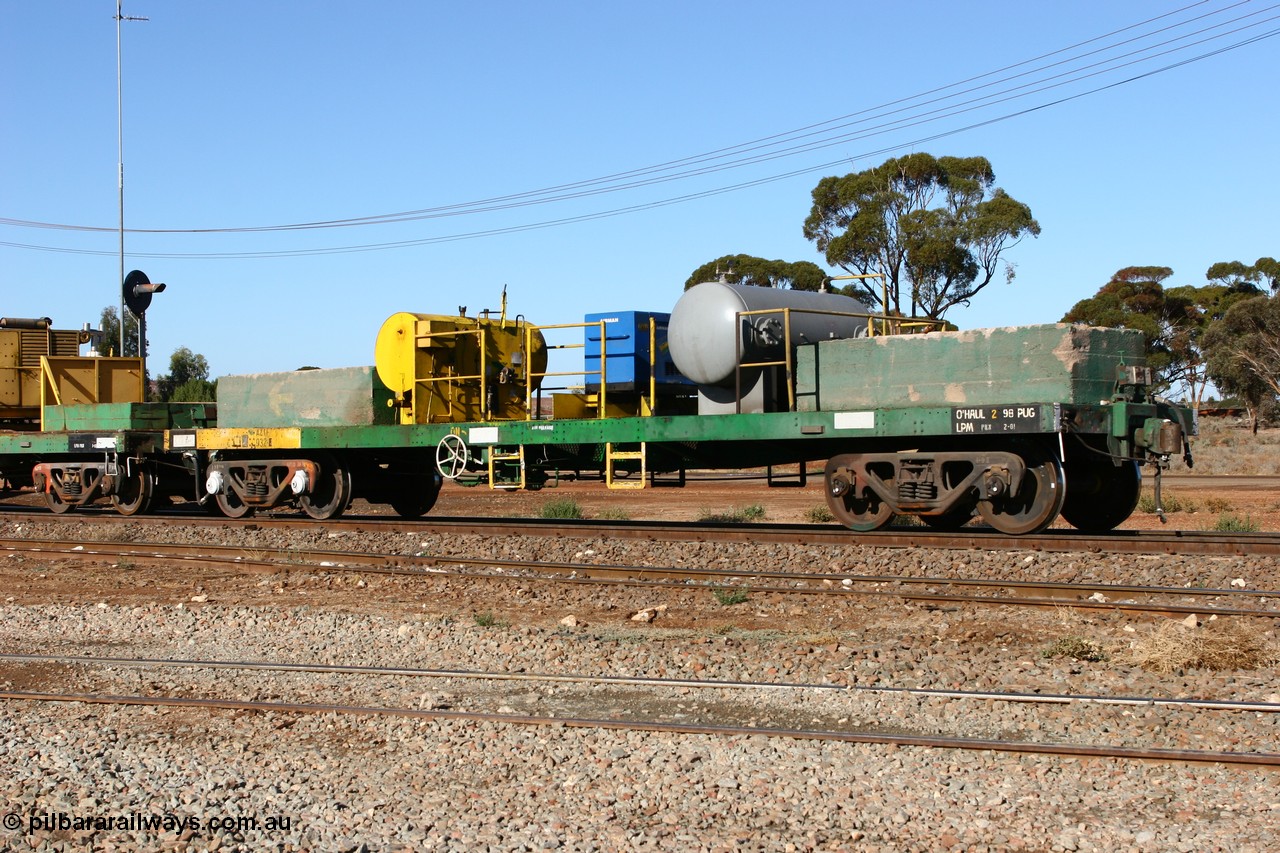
x,y
1014,426
88,452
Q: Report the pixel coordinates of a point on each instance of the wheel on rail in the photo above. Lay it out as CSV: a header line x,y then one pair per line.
x,y
861,514
452,456
55,502
134,493
1100,494
416,497
330,495
231,505
1038,500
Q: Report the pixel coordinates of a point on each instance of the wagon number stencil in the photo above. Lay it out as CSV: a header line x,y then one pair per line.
x,y
974,420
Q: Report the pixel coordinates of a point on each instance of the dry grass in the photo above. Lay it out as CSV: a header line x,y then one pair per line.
x,y
1229,447
1219,644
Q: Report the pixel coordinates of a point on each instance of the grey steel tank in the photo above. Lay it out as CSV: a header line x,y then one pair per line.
x,y
703,334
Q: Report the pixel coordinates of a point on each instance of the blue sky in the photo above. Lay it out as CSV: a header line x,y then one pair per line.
x,y
250,114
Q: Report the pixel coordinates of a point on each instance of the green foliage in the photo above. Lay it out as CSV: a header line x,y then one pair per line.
x,y
1229,523
614,514
738,515
109,323
1172,503
748,269
189,372
820,514
1236,275
1076,648
937,227
195,391
1133,299
1243,351
1175,320
561,508
487,619
730,597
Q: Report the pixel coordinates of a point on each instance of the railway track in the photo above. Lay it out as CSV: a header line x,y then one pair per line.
x,y
1181,542
921,589
708,719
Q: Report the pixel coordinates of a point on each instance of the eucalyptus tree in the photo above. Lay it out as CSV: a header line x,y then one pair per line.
x,y
937,227
748,269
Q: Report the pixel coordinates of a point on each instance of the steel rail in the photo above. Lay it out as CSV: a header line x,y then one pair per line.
x,y
587,574
647,681
1120,541
1265,759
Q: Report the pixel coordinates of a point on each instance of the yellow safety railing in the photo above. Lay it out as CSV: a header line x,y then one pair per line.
x,y
649,405
531,374
452,380
787,361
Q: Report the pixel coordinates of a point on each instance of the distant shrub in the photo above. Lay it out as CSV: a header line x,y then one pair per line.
x,y
1171,500
1228,523
561,508
820,514
488,620
1076,648
730,597
739,515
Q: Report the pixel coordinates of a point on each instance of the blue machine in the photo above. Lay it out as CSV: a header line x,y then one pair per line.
x,y
626,349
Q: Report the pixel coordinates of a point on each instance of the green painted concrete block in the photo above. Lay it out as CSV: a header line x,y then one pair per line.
x,y
1058,363
112,417
339,396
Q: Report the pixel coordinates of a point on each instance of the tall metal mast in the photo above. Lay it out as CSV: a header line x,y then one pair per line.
x,y
120,16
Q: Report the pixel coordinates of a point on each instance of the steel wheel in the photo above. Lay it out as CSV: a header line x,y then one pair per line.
x,y
330,495
452,456
230,505
55,502
133,495
1100,495
417,499
1038,500
861,514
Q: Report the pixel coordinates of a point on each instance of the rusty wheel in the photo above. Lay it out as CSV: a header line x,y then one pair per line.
x,y
1038,500
864,513
330,495
231,505
55,502
134,493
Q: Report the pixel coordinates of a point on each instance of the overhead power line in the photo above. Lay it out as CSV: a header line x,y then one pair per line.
x,y
893,116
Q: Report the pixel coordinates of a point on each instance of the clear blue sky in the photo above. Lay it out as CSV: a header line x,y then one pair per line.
x,y
244,114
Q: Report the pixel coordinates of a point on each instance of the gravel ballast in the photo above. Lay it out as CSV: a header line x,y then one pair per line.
x,y
344,782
